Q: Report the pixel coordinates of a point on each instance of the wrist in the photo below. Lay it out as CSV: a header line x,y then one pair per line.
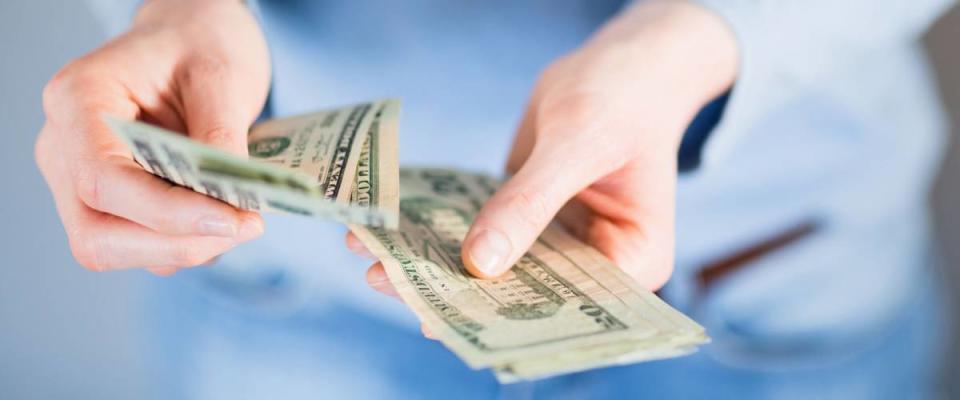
x,y
690,50
160,12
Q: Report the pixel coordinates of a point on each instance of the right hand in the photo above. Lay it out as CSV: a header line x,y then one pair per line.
x,y
200,67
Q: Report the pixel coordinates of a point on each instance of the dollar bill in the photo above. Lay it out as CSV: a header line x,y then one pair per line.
x,y
377,184
339,164
563,307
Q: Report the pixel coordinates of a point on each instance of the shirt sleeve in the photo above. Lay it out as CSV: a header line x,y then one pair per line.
x,y
787,45
114,16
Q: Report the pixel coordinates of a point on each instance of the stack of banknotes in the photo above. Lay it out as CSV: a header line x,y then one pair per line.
x,y
562,308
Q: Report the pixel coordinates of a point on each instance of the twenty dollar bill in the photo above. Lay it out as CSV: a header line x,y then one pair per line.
x,y
563,307
339,164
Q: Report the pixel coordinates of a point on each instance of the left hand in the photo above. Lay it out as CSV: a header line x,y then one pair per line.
x,y
597,146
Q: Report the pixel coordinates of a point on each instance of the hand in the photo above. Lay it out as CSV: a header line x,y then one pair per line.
x,y
200,67
597,147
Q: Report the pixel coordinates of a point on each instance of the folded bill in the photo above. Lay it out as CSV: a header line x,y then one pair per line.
x,y
339,164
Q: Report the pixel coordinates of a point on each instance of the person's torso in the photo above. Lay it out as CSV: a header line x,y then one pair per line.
x,y
853,161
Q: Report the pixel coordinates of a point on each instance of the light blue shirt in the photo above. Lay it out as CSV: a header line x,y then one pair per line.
x,y
833,120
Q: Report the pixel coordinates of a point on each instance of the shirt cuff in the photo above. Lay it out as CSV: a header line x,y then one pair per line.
x,y
697,133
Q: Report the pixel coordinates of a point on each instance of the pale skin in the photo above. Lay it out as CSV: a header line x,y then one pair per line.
x,y
596,148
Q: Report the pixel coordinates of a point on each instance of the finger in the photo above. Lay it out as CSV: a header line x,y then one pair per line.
x,y
641,244
170,271
575,218
77,150
519,211
357,247
378,280
646,256
426,332
163,271
510,220
122,188
218,100
103,242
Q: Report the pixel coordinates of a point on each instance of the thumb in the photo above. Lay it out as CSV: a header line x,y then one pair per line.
x,y
219,104
521,209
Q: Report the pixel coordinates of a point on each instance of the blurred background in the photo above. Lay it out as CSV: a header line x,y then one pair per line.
x,y
69,333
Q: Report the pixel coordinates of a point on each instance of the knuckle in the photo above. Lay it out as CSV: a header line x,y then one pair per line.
x,y
532,209
165,221
187,256
86,251
558,69
68,81
204,67
41,150
56,87
218,135
87,185
574,110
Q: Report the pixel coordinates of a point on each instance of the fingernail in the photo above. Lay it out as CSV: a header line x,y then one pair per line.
x,y
216,226
251,227
489,250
